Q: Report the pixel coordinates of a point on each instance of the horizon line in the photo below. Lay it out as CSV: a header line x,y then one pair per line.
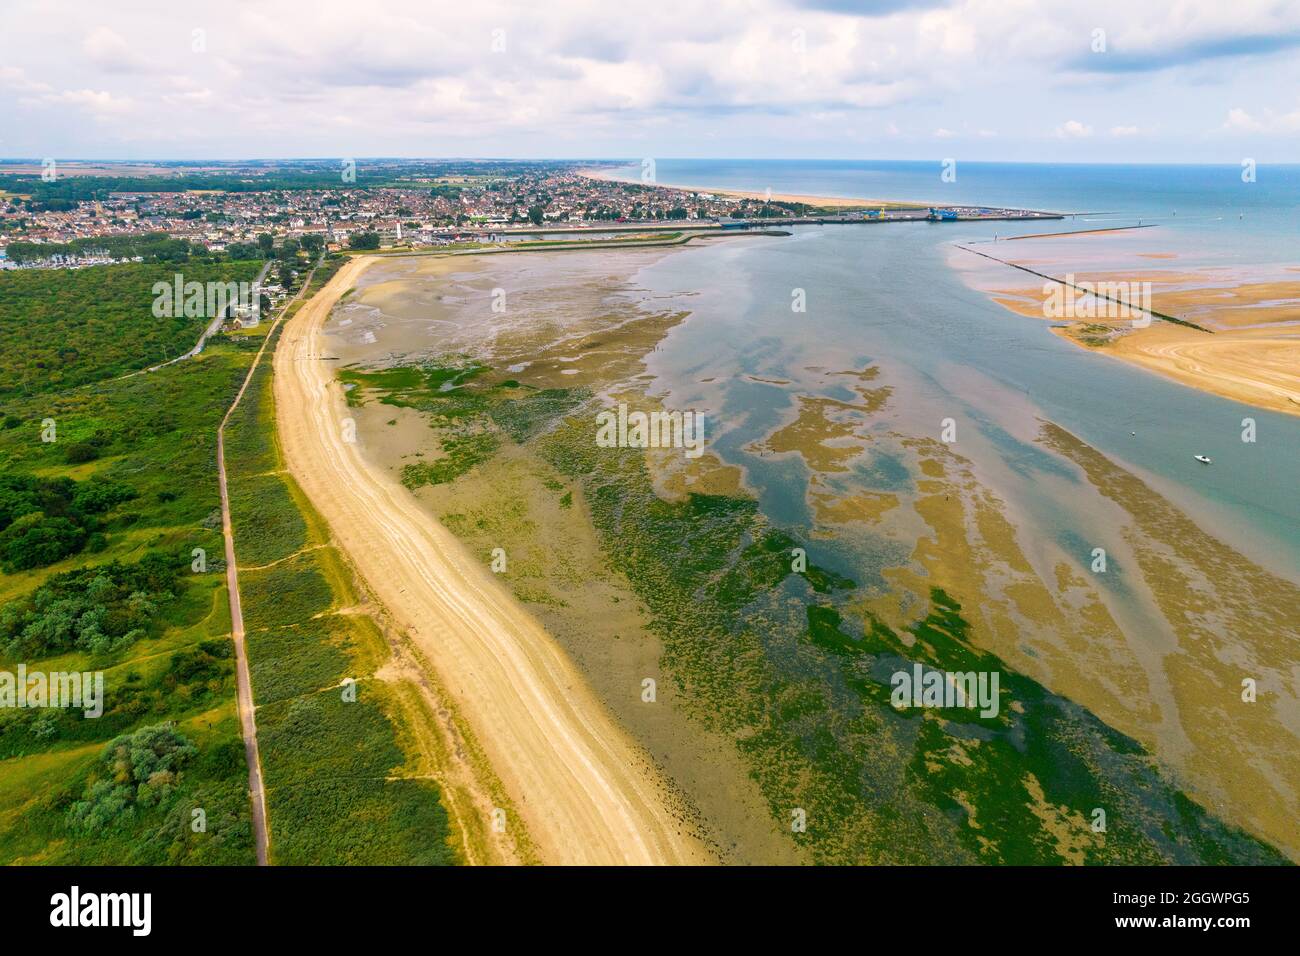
x,y
15,160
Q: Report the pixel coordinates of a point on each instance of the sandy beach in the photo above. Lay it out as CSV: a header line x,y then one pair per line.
x,y
586,793
1260,369
1250,354
810,200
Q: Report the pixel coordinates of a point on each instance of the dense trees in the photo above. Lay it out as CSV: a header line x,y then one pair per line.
x,y
97,609
151,247
364,240
136,770
60,328
243,250
44,520
80,452
35,540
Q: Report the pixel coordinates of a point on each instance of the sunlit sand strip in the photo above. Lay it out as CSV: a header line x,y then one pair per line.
x,y
1263,370
844,202
586,794
1257,366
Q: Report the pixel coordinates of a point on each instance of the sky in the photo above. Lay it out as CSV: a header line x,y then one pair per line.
x,y
1025,80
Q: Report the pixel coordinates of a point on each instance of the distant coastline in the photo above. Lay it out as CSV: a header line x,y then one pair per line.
x,y
605,174
1248,365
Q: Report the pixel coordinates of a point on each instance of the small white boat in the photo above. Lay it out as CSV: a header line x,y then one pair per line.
x,y
1204,459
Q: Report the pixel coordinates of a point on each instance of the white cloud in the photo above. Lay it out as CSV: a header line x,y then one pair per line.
x,y
93,101
14,78
317,77
1267,121
110,51
1073,129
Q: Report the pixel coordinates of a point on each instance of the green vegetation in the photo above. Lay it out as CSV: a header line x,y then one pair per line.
x,y
143,601
149,247
270,524
94,609
468,410
460,454
138,770
344,786
79,326
1097,334
43,520
771,657
780,662
660,238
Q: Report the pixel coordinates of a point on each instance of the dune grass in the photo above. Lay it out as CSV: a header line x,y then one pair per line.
x,y
341,788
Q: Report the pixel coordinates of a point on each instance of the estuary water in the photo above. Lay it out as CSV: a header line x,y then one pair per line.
x,y
889,294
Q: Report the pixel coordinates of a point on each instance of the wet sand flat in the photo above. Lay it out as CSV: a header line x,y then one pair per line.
x,y
585,794
590,325
579,329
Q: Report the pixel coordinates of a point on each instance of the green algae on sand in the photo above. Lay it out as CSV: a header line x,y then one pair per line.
x,y
772,658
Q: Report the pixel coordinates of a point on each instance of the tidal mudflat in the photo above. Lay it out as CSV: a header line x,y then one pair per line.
x,y
874,497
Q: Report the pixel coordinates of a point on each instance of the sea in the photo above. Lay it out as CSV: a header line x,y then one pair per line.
x,y
890,295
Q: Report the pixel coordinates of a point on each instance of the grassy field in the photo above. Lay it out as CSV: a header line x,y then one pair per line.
x,y
64,795
346,781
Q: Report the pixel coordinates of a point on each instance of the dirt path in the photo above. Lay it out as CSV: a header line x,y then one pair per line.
x,y
587,795
243,679
211,330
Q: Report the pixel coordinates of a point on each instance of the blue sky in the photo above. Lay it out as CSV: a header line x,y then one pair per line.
x,y
1035,80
